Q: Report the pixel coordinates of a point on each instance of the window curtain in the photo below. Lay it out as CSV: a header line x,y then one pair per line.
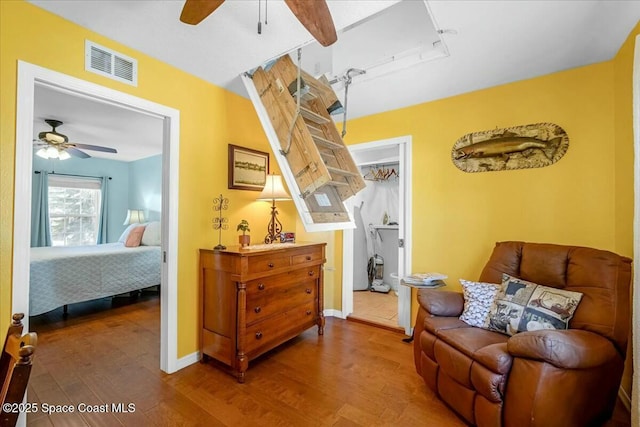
x,y
40,231
102,228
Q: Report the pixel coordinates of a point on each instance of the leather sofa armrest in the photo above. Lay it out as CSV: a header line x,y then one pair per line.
x,y
441,303
570,349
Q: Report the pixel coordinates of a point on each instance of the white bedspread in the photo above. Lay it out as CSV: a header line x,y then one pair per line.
x,y
65,275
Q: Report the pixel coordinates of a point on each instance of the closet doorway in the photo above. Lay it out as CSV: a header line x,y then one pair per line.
x,y
29,76
378,251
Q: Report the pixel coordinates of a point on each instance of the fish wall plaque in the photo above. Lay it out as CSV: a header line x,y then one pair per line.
x,y
519,147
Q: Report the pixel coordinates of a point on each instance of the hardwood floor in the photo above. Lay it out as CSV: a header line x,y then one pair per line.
x,y
108,353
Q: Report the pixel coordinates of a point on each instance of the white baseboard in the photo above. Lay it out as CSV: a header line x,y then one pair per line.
x,y
187,360
624,398
333,313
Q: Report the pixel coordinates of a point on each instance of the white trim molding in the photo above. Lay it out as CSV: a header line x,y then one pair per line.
x,y
29,76
404,232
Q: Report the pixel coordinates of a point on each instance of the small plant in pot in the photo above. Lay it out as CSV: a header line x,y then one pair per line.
x,y
244,239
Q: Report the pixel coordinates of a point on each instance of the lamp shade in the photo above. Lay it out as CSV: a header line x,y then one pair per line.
x,y
274,189
134,216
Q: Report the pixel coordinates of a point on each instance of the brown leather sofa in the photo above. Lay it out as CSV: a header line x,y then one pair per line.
x,y
534,378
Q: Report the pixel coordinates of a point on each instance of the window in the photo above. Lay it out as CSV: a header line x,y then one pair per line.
x,y
74,210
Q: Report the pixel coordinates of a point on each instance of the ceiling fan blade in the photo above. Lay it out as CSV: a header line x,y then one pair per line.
x,y
77,153
194,11
94,147
316,18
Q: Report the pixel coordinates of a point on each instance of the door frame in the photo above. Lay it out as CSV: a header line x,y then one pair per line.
x,y
30,75
404,232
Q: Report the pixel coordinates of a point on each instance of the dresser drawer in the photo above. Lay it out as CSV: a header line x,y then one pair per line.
x,y
274,328
262,306
308,256
269,262
258,288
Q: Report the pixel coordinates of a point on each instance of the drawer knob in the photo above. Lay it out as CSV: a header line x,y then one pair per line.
x,y
308,312
258,335
257,309
261,286
308,258
311,273
308,290
270,265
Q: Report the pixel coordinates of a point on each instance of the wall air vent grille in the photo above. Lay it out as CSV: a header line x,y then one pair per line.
x,y
109,63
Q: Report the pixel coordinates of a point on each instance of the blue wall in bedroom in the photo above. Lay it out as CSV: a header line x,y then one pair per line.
x,y
134,185
145,186
118,185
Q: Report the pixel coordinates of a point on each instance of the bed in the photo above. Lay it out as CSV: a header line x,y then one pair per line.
x,y
62,275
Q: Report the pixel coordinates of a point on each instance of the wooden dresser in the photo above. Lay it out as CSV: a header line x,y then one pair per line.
x,y
255,299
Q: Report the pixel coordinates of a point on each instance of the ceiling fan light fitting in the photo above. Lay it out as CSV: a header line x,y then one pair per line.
x,y
42,153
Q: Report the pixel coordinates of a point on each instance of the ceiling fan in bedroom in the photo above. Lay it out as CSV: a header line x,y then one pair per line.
x,y
314,15
54,145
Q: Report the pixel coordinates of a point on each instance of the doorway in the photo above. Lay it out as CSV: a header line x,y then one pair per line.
x,y
29,76
390,239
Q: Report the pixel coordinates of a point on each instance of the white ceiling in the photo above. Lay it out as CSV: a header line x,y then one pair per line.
x,y
485,43
86,121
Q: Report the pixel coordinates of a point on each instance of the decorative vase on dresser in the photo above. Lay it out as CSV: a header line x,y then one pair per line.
x,y
256,299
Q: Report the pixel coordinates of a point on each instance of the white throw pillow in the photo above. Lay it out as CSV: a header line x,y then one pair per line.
x,y
478,299
151,236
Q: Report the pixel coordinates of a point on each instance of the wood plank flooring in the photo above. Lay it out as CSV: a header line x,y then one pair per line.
x,y
108,352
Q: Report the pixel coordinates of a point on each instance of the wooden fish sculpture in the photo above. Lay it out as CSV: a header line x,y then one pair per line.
x,y
505,145
519,147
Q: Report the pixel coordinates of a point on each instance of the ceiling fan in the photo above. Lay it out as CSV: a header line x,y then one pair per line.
x,y
54,145
314,15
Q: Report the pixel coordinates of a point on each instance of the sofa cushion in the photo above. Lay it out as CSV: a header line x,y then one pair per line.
x,y
434,324
470,341
478,299
527,306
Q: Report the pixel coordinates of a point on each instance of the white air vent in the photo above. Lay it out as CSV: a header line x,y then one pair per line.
x,y
109,63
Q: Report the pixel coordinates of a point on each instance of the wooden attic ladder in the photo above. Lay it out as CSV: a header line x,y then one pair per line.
x,y
319,160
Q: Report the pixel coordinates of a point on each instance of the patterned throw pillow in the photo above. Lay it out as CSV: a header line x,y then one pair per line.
x,y
526,306
478,299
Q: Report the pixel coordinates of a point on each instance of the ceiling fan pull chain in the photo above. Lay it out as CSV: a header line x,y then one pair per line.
x,y
259,19
298,96
266,10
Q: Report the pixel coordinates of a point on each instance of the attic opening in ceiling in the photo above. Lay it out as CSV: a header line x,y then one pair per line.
x,y
396,38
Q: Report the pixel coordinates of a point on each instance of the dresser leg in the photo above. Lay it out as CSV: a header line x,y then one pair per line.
x,y
321,324
243,365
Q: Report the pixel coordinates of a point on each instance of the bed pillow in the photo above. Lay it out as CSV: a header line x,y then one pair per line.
x,y
151,236
135,236
526,306
478,299
125,233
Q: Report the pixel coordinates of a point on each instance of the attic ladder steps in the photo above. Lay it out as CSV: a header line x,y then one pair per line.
x,y
312,116
313,148
342,172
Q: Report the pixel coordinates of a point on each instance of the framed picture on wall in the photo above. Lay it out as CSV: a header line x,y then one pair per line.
x,y
248,168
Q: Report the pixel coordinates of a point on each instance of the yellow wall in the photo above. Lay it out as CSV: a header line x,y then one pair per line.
x,y
458,216
210,119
